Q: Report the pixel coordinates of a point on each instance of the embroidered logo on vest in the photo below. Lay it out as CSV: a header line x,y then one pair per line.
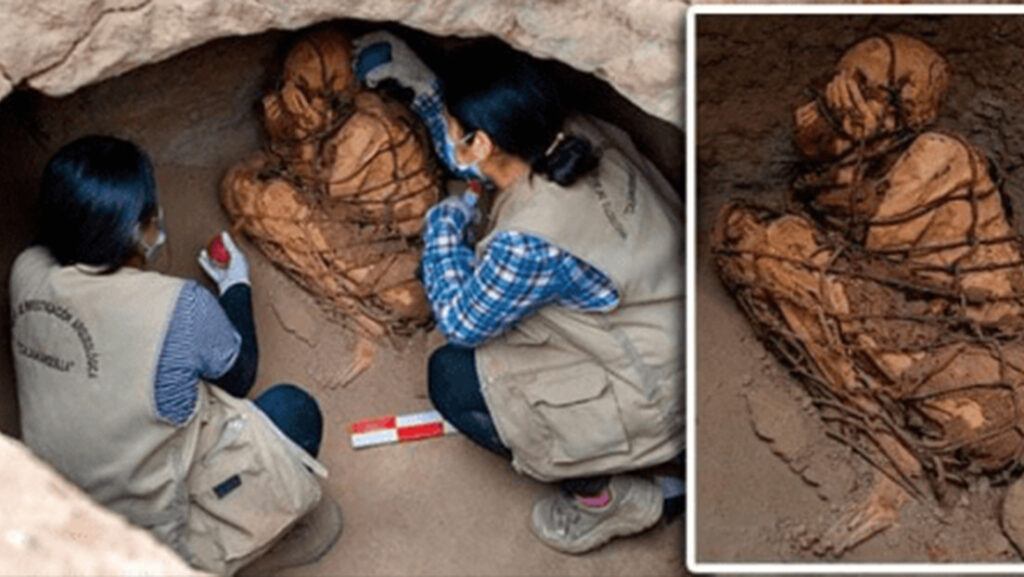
x,y
65,316
606,205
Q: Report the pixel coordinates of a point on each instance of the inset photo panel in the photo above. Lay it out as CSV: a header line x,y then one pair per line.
x,y
856,176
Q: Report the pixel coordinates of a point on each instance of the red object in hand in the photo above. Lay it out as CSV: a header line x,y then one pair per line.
x,y
218,253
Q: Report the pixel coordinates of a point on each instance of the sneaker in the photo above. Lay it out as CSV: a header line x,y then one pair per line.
x,y
566,525
307,542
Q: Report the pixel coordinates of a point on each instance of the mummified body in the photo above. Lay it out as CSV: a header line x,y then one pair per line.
x,y
337,200
895,289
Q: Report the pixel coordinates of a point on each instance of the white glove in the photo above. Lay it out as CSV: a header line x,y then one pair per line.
x,y
464,203
237,270
402,65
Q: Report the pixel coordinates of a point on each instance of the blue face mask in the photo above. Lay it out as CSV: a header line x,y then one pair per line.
x,y
469,171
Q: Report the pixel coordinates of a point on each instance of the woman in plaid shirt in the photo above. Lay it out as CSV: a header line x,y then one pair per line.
x,y
502,129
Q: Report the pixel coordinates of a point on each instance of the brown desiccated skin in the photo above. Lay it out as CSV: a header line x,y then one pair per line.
x,y
881,85
320,62
364,353
860,342
338,200
354,269
898,303
376,143
290,116
903,63
316,82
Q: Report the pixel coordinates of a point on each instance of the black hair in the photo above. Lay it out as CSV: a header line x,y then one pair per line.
x,y
94,193
512,98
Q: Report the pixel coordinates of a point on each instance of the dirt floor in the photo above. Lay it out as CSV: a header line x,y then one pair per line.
x,y
438,507
769,481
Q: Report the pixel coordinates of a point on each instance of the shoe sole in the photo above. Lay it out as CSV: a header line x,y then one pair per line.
x,y
615,528
327,544
270,565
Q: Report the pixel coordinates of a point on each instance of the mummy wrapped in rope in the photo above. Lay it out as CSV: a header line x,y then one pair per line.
x,y
337,199
894,285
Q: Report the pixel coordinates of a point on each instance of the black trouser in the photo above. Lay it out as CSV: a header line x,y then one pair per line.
x,y
292,409
455,391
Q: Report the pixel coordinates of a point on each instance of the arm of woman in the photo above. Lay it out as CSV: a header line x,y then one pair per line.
x,y
236,303
201,343
383,56
235,306
517,275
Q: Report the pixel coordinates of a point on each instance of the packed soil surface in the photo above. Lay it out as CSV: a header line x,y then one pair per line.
x,y
435,507
770,483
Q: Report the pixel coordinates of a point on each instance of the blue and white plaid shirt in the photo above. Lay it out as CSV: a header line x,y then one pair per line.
x,y
429,106
518,274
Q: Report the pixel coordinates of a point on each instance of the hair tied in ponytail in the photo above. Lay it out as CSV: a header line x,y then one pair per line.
x,y
567,159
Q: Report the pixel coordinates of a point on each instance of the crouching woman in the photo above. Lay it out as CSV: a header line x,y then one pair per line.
x,y
131,383
565,321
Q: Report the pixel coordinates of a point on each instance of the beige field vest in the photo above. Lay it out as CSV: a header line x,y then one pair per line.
x,y
577,393
219,490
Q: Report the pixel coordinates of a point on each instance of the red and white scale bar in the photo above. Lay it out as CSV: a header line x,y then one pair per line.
x,y
398,429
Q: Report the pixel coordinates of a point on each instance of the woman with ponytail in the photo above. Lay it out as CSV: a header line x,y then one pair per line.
x,y
565,320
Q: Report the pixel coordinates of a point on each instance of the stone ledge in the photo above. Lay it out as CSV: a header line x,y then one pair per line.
x,y
58,46
50,527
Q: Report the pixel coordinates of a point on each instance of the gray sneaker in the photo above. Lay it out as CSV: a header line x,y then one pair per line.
x,y
306,542
562,523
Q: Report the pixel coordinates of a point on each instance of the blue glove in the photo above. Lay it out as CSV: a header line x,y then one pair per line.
x,y
382,55
371,57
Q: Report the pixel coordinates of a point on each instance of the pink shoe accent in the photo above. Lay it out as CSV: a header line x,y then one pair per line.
x,y
597,502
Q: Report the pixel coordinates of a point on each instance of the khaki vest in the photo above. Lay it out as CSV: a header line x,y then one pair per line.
x,y
577,393
219,490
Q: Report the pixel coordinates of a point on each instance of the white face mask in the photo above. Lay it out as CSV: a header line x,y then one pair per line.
x,y
150,251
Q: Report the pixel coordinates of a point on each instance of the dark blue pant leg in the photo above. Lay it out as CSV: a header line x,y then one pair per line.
x,y
454,388
296,413
455,391
237,304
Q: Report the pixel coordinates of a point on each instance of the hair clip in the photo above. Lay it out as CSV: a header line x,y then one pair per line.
x,y
558,140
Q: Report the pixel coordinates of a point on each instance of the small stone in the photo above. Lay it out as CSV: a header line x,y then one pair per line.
x,y
19,539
